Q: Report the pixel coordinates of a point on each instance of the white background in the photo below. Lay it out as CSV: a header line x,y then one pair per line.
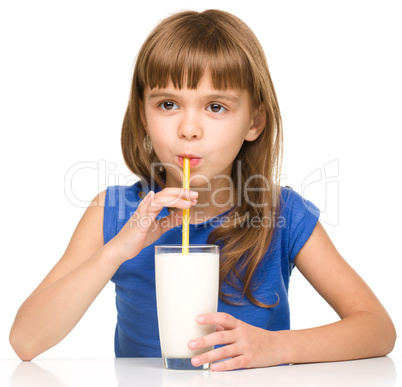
x,y
65,73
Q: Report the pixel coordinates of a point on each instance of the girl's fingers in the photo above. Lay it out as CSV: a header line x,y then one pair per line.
x,y
225,335
225,330
225,320
176,192
173,195
227,352
146,200
219,328
163,200
216,338
182,204
144,207
144,218
234,363
166,198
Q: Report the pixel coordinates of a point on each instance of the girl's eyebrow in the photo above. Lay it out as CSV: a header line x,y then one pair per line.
x,y
157,94
225,96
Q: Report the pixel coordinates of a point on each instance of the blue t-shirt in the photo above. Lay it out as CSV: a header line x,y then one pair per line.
x,y
137,333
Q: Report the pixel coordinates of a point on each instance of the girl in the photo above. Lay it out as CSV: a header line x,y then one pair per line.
x,y
202,90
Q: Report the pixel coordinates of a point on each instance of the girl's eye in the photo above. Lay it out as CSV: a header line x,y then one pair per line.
x,y
168,105
216,108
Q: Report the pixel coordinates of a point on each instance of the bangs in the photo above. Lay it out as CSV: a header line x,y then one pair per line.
x,y
183,54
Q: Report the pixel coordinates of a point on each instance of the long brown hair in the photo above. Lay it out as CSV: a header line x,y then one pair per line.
x,y
180,49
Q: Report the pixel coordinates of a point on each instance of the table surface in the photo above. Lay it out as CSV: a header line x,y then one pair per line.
x,y
129,372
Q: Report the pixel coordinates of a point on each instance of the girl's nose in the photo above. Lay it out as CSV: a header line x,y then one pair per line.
x,y
190,128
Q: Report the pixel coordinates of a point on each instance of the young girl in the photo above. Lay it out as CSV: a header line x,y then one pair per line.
x,y
202,90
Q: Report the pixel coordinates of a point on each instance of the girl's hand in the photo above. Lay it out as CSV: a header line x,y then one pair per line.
x,y
245,346
143,229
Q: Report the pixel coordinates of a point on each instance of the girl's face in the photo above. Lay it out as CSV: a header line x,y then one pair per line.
x,y
205,124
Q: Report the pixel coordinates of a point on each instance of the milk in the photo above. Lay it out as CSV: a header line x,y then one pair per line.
x,y
186,286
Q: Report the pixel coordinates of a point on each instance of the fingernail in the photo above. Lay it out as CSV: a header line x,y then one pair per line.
x,y
194,201
200,319
193,194
214,367
196,360
192,344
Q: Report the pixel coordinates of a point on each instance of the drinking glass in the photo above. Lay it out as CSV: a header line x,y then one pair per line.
x,y
186,285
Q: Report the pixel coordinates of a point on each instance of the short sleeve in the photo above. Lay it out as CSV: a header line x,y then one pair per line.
x,y
109,215
120,203
302,217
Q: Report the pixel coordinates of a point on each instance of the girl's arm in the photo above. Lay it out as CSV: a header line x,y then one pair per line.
x,y
62,298
58,303
365,329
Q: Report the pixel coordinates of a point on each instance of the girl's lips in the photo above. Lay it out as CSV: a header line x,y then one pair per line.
x,y
194,161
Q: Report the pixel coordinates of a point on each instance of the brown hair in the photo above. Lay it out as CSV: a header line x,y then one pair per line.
x,y
180,49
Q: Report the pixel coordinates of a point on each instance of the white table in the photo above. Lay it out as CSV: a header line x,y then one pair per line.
x,y
149,372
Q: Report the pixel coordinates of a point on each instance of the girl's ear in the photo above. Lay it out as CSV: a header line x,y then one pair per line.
x,y
258,124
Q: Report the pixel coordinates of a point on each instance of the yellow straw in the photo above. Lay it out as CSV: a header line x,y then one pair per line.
x,y
186,213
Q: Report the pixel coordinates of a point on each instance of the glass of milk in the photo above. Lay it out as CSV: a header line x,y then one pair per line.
x,y
186,285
